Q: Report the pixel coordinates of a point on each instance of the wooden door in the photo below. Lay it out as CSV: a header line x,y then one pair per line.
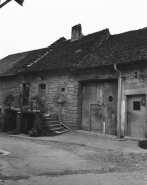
x,y
95,117
89,96
136,116
100,105
110,95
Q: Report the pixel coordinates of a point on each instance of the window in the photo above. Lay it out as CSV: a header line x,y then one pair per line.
x,y
26,92
136,105
63,89
42,90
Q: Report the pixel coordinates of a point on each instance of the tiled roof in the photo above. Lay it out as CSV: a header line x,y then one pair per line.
x,y
7,63
41,54
12,63
92,50
19,62
69,54
121,48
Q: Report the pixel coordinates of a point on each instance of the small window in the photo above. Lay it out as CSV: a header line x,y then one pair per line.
x,y
26,92
136,105
63,89
42,90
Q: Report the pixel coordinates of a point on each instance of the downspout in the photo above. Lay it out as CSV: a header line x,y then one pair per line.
x,y
119,100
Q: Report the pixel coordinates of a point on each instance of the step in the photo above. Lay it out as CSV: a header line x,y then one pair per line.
x,y
60,132
52,122
55,125
50,119
58,128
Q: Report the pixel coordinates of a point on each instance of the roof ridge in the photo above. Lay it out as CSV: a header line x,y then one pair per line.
x,y
106,29
99,41
56,43
25,52
130,31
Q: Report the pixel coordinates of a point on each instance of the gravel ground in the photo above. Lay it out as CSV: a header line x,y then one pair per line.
x,y
47,162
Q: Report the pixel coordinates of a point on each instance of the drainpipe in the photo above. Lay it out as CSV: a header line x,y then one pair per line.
x,y
119,101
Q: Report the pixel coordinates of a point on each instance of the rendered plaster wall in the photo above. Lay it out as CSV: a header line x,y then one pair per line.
x,y
133,85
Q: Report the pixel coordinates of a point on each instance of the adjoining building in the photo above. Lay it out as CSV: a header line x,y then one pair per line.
x,y
97,82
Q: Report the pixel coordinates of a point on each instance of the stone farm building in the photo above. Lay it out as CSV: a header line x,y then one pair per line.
x,y
100,79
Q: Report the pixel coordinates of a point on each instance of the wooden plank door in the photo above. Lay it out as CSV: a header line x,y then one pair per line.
x,y
92,98
89,96
100,105
136,116
95,117
110,106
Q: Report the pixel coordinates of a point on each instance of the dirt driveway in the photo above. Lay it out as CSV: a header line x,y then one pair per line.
x,y
42,161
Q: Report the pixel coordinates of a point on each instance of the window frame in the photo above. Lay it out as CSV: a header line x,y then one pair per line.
x,y
42,91
136,105
25,95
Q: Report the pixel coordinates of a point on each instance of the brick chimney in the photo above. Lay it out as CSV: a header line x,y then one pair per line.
x,y
76,32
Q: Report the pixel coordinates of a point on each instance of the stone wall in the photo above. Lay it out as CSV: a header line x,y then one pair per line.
x,y
67,84
9,85
134,81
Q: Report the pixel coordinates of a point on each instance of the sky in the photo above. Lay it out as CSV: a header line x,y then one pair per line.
x,y
39,23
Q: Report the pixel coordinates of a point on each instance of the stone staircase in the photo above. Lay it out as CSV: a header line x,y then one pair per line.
x,y
55,126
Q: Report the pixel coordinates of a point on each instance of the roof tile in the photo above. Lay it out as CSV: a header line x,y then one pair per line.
x,y
92,50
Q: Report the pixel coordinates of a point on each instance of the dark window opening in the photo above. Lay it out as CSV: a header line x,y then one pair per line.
x,y
110,98
63,89
136,105
42,90
26,92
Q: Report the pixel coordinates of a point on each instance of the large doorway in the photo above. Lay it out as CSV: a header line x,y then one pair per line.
x,y
136,115
99,106
27,122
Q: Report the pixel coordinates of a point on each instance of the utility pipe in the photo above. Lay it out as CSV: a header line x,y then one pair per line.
x,y
119,100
